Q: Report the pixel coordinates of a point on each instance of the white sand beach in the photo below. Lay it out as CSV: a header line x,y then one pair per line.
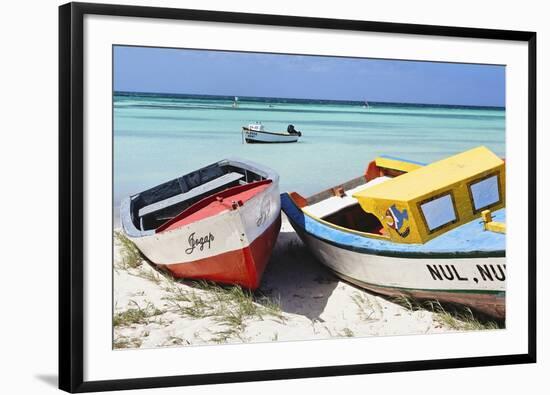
x,y
298,300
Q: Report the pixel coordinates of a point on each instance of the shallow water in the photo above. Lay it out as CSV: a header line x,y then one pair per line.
x,y
159,137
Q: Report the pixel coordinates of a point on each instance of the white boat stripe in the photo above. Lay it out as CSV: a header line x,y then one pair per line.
x,y
228,231
465,274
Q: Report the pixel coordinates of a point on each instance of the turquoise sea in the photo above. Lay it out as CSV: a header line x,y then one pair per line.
x,y
158,137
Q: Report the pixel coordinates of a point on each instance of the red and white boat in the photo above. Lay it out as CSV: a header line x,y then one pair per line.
x,y
218,223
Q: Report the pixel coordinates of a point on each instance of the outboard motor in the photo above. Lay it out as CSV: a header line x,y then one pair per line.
x,y
290,130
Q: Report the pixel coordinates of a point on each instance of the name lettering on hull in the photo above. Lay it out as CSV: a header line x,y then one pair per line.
x,y
200,243
487,272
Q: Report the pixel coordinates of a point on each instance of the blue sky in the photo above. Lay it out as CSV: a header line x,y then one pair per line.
x,y
162,70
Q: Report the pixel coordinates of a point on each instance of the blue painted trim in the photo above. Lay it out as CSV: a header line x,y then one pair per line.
x,y
466,241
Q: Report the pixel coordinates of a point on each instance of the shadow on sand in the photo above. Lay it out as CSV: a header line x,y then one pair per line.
x,y
294,278
303,286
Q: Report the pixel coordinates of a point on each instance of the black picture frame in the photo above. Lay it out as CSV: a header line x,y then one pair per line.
x,y
71,204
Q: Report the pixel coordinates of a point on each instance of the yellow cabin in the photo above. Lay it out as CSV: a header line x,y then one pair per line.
x,y
428,201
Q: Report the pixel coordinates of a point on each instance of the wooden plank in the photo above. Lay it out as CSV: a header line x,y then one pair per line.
x,y
200,190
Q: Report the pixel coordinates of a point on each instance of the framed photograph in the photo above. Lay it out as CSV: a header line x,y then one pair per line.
x,y
250,197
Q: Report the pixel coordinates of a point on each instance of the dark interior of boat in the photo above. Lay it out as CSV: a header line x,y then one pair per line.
x,y
155,206
353,217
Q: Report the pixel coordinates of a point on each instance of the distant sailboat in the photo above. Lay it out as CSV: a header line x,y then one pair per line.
x,y
236,102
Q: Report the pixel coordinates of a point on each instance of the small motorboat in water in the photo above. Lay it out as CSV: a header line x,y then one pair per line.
x,y
218,223
256,133
431,231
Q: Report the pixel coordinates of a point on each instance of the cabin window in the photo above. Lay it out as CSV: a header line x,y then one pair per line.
x,y
438,211
485,193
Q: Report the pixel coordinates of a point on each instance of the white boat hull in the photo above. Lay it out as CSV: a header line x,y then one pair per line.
x,y
225,237
459,274
252,136
479,283
231,230
474,279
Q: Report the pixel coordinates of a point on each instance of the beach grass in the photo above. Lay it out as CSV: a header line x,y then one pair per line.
x,y
148,274
175,341
126,342
364,305
130,257
462,318
346,332
136,315
230,307
132,261
452,316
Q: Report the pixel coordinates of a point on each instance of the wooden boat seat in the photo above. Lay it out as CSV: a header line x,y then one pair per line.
x,y
336,203
202,189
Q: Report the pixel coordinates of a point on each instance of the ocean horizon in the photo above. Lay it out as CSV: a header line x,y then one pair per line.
x,y
268,99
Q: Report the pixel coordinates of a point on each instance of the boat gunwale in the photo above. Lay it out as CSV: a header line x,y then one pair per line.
x,y
380,252
328,192
132,231
201,204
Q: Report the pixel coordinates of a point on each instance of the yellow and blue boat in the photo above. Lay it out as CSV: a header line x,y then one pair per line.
x,y
433,231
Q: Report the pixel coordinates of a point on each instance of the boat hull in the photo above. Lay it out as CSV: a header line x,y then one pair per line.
x,y
476,280
242,267
231,246
252,137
